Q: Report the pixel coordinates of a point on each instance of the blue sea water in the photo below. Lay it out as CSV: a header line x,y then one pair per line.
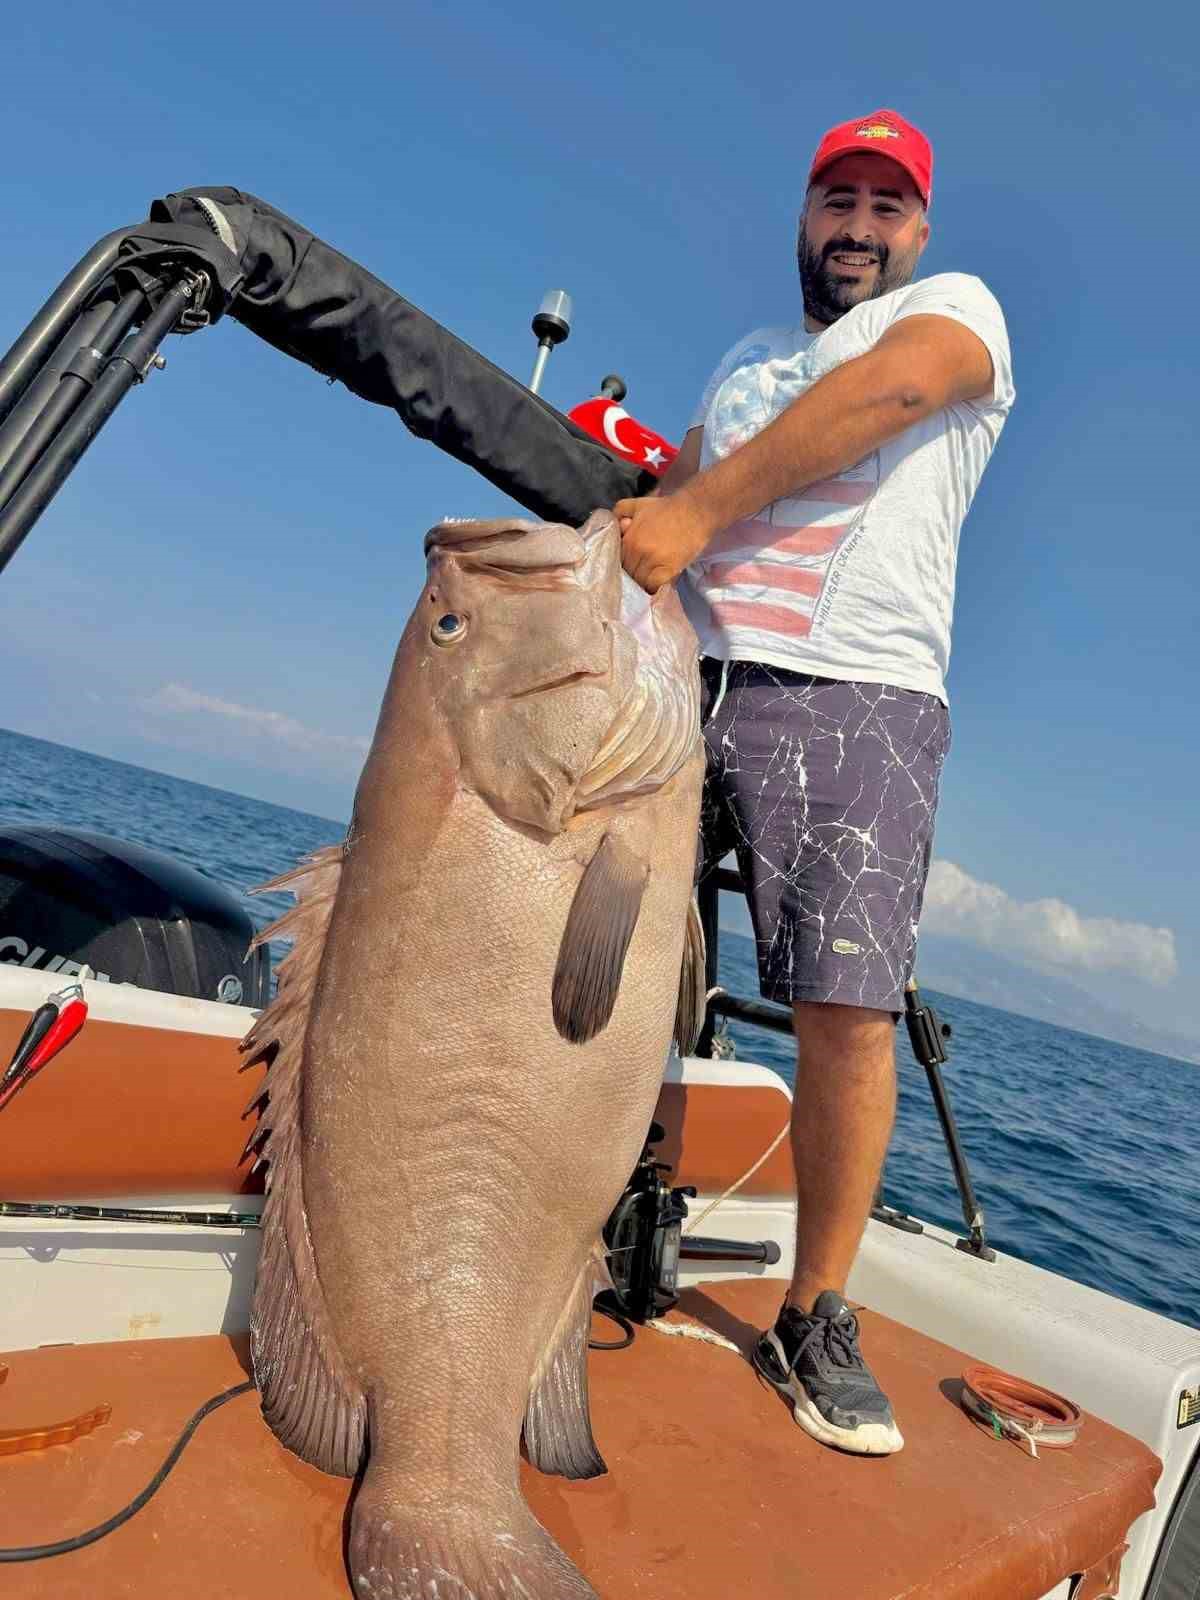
x,y
1085,1153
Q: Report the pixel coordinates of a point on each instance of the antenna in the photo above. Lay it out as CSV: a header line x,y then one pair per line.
x,y
552,324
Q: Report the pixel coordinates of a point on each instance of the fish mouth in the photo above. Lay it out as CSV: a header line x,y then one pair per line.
x,y
510,549
463,533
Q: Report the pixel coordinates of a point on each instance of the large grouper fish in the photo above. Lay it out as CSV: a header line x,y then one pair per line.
x,y
465,1050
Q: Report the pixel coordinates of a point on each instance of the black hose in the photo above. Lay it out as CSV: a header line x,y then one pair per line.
x,y
613,1315
37,1552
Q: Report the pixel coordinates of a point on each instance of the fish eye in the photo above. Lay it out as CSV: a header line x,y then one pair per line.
x,y
449,628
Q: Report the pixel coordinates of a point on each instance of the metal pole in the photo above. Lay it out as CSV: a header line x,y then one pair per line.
x,y
41,388
694,1248
26,357
70,383
759,1013
927,1034
539,365
552,324
127,367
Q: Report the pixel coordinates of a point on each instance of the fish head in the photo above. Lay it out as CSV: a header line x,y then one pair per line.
x,y
528,641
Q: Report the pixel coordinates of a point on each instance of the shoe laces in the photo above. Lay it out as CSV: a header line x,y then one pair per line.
x,y
837,1339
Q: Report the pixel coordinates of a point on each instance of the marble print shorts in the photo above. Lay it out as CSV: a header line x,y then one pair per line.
x,y
826,793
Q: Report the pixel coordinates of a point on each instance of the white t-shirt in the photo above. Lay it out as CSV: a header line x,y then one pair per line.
x,y
852,578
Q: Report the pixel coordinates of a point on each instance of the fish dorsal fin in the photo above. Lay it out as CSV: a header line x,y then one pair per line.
x,y
600,924
308,1395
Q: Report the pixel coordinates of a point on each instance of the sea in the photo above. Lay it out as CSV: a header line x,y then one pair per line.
x,y
1084,1153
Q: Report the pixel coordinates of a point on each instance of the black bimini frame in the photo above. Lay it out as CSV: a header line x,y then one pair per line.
x,y
205,252
95,337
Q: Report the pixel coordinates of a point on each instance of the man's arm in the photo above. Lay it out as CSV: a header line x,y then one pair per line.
x,y
921,364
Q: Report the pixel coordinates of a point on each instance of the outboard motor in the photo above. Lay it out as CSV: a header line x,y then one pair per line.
x,y
134,915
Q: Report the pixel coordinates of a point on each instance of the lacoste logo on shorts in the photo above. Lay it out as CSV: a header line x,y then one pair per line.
x,y
843,947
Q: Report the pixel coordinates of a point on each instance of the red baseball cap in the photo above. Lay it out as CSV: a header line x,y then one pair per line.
x,y
883,133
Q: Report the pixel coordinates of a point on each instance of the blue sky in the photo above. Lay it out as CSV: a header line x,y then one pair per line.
x,y
219,589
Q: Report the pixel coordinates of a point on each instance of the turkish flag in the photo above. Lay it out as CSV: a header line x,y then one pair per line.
x,y
624,435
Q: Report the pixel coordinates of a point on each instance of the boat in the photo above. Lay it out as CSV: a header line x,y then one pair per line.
x,y
133,1457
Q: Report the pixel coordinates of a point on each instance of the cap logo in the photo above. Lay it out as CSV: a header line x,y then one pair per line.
x,y
876,130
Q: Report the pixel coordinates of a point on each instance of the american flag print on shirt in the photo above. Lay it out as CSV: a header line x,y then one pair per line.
x,y
769,572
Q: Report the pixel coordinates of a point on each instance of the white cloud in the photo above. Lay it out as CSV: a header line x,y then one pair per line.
x,y
1043,933
260,729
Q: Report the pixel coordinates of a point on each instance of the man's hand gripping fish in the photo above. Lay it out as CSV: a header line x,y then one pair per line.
x,y
466,1049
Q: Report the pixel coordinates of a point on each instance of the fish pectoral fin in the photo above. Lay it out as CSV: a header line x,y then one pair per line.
x,y
599,927
693,992
558,1425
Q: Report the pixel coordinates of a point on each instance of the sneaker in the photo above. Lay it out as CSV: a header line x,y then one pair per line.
x,y
816,1363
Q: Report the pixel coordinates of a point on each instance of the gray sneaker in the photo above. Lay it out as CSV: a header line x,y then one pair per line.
x,y
816,1363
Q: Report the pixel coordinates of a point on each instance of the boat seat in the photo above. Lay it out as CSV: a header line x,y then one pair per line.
x,y
713,1492
134,1109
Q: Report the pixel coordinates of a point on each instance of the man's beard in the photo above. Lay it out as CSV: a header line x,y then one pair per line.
x,y
829,294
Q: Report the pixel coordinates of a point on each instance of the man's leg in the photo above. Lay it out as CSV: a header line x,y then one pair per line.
x,y
842,1117
833,788
842,1114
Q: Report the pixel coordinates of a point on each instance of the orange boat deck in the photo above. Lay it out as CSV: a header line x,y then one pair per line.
x,y
712,1493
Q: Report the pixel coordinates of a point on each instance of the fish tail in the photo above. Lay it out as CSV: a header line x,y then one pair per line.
x,y
454,1552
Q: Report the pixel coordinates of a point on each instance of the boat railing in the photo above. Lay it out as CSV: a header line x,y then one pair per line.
x,y
928,1036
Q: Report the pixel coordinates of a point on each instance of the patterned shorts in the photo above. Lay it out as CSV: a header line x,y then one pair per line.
x,y
826,792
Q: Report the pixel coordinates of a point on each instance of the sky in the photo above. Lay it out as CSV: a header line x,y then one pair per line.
x,y
219,588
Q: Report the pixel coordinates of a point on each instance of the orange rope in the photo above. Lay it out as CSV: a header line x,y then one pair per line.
x,y
1017,1409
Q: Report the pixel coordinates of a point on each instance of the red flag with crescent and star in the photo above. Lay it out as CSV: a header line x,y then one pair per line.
x,y
624,435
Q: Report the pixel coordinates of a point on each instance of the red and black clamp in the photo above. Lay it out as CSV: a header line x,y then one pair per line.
x,y
50,1029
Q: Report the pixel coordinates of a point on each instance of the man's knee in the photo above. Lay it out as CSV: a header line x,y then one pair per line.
x,y
846,1036
822,1018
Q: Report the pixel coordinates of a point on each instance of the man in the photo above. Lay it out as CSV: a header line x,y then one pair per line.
x,y
812,519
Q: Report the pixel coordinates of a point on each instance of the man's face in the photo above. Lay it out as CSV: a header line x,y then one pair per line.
x,y
861,233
